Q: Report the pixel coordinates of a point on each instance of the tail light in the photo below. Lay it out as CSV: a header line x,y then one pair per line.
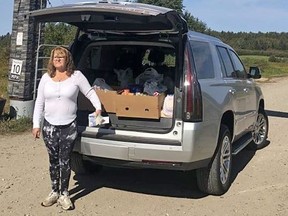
x,y
192,98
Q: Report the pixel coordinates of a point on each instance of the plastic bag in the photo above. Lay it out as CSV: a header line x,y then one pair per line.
x,y
151,87
125,77
168,104
147,75
152,81
100,83
94,120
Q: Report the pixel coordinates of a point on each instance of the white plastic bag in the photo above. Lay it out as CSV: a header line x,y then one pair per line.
x,y
125,77
95,120
100,83
168,104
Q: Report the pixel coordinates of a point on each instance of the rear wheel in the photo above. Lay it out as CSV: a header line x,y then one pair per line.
x,y
216,178
81,166
260,132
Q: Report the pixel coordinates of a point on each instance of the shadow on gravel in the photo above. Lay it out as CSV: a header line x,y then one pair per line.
x,y
147,181
150,181
277,113
240,161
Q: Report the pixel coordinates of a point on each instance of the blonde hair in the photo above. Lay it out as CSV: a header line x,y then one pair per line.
x,y
69,64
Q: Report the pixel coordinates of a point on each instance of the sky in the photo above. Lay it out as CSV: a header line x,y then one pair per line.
x,y
219,15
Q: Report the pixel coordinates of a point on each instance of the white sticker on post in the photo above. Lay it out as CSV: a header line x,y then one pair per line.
x,y
19,39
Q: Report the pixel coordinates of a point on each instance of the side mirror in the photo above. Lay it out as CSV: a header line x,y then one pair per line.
x,y
254,72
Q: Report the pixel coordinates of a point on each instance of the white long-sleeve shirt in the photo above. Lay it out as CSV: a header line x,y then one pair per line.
x,y
58,100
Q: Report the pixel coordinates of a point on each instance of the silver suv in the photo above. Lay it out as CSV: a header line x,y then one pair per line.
x,y
210,108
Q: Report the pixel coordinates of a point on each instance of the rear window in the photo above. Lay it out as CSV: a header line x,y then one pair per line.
x,y
119,62
203,59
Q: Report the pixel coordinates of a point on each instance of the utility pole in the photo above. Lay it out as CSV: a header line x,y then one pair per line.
x,y
24,40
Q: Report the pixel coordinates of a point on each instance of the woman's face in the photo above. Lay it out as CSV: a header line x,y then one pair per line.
x,y
59,60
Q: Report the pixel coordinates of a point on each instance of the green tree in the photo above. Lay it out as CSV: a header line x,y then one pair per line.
x,y
59,33
4,50
192,22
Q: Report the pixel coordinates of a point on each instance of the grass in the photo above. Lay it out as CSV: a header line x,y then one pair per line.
x,y
8,125
3,86
14,126
269,69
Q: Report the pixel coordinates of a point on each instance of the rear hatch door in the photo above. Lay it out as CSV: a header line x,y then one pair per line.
x,y
119,17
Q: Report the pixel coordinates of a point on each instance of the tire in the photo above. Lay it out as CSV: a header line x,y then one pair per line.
x,y
80,166
260,132
216,178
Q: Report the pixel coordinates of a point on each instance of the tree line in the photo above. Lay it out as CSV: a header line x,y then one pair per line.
x,y
269,44
4,49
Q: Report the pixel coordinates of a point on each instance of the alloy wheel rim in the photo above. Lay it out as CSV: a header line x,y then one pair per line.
x,y
260,130
225,160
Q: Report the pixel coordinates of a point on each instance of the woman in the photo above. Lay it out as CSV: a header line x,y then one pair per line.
x,y
57,100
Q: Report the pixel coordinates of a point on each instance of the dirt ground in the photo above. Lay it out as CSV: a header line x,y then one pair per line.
x,y
259,187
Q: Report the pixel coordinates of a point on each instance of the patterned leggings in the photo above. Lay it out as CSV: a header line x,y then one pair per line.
x,y
59,141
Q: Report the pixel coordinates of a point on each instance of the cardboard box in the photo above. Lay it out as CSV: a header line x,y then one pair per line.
x,y
136,106
107,99
139,106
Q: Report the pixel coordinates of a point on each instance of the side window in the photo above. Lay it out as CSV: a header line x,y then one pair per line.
x,y
226,64
239,68
203,59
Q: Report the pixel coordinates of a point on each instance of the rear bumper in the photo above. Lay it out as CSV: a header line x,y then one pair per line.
x,y
132,154
186,147
131,151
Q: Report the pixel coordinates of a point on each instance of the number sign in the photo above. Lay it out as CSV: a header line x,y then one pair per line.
x,y
16,69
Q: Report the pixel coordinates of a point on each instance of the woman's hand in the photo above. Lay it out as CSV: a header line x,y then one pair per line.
x,y
99,119
36,133
97,112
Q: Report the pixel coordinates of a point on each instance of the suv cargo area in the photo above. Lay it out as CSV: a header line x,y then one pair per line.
x,y
132,80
